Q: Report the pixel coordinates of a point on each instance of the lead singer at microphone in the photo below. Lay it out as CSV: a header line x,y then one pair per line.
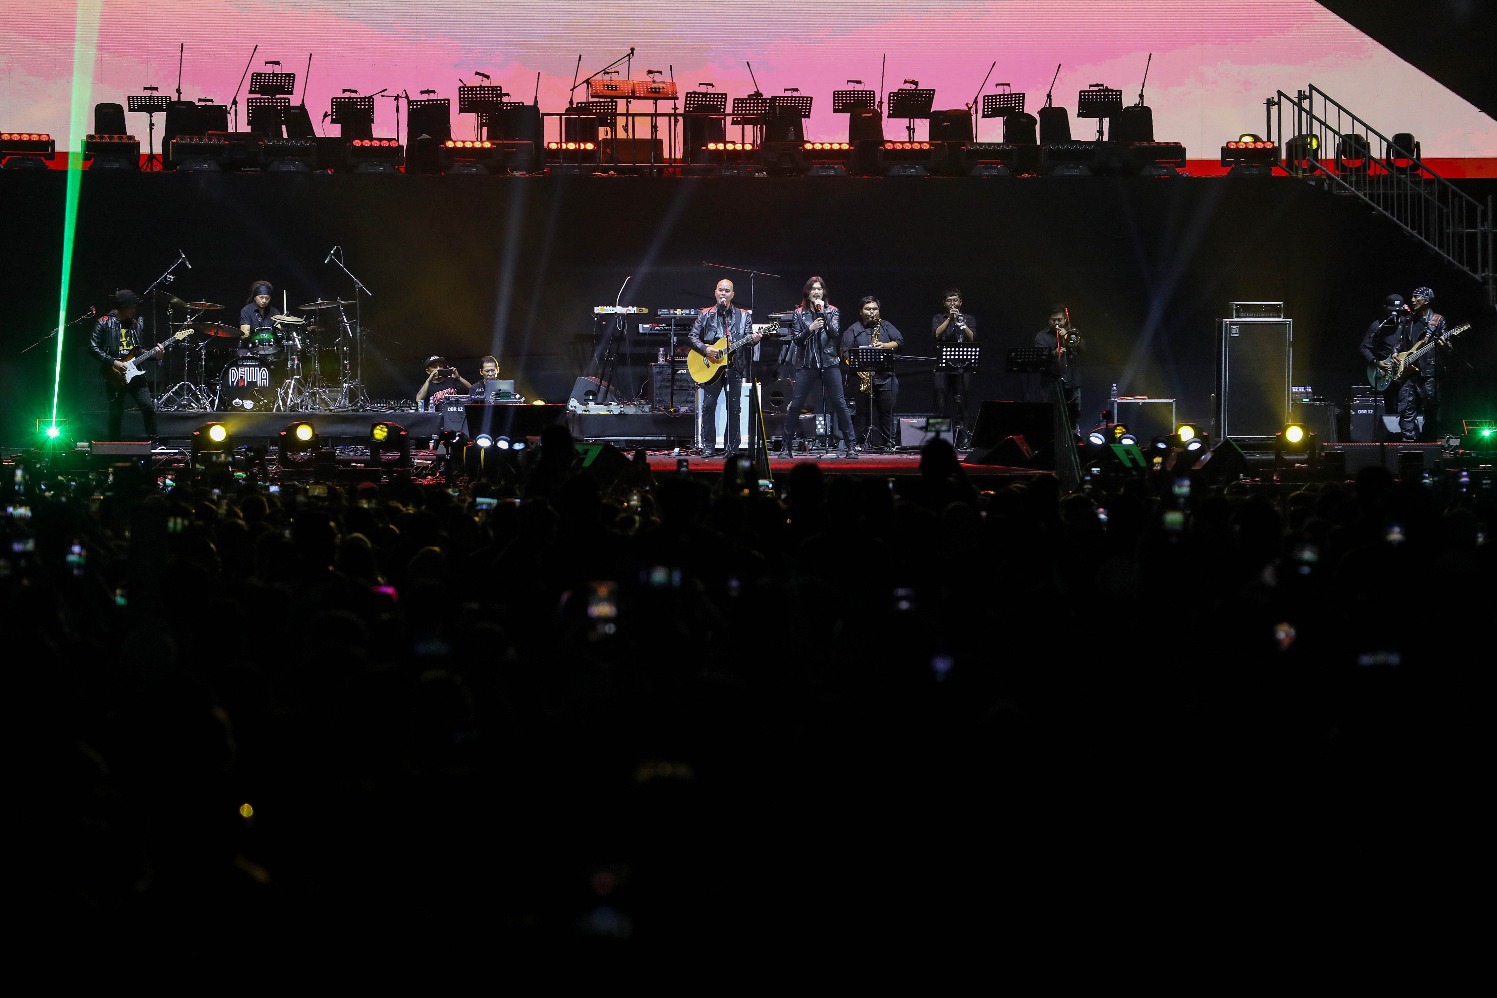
x,y
715,331
953,326
816,348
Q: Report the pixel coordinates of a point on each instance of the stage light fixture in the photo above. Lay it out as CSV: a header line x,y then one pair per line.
x,y
1403,154
1070,159
376,155
1154,159
1249,156
731,159
389,443
501,442
1353,154
299,442
26,150
1294,443
908,159
288,155
211,444
111,152
1192,437
572,157
202,153
1302,153
1113,433
484,440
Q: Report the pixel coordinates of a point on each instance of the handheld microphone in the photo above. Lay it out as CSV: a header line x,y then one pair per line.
x,y
184,259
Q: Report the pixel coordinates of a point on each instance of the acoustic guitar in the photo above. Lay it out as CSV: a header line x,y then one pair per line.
x,y
703,369
1401,365
138,357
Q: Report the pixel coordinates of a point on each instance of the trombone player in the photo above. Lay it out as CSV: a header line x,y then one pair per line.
x,y
1063,344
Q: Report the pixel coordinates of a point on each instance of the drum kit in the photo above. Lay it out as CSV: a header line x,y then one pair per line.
x,y
278,368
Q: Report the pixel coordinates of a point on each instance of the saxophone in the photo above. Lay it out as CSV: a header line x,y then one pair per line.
x,y
865,378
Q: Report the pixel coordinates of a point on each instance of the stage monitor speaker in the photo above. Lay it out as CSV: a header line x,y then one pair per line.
x,y
631,151
1225,463
864,125
998,421
954,125
603,391
1011,452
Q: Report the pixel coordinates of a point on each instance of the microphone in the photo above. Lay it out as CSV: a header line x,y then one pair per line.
x,y
184,259
330,253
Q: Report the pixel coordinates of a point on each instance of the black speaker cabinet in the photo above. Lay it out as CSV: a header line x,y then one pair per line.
x,y
1319,418
602,390
661,397
951,126
1252,376
1366,422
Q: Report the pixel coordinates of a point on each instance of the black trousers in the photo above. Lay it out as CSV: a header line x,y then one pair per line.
x,y
830,380
874,417
137,391
733,381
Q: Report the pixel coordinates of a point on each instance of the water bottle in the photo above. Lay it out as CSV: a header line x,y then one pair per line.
x,y
662,355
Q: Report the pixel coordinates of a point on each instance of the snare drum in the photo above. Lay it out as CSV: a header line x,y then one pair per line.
x,y
244,381
265,342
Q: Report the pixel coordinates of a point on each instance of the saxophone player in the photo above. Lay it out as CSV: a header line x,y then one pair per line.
x,y
1062,341
877,391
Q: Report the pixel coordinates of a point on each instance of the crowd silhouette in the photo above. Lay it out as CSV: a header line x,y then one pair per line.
x,y
610,712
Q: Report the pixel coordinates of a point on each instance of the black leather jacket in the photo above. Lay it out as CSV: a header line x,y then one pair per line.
x,y
818,350
110,342
710,327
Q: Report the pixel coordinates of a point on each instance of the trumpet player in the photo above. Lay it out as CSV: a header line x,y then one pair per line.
x,y
877,390
953,326
1063,342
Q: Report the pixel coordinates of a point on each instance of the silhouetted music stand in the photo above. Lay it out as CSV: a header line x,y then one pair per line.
x,y
1027,360
750,111
911,104
267,114
791,107
580,122
843,101
703,121
354,117
150,105
874,361
272,84
1099,102
1002,105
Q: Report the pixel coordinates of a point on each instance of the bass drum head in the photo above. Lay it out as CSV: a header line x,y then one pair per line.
x,y
246,384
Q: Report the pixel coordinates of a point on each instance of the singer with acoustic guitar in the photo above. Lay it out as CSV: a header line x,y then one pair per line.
x,y
116,344
1387,346
723,337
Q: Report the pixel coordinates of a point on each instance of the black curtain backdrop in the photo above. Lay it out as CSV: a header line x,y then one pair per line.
x,y
515,266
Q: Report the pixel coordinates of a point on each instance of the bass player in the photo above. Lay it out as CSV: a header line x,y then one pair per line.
x,y
1415,392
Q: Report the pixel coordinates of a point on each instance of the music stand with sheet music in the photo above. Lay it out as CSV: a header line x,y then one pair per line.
x,y
491,124
1099,102
272,84
703,121
911,104
795,108
267,115
843,101
957,356
485,99
581,121
150,105
354,117
751,112
1027,360
1002,105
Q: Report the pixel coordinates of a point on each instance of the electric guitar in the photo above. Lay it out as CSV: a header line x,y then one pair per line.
x,y
703,369
1401,364
138,357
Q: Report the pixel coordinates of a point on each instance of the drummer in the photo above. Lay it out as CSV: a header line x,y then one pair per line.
x,y
256,318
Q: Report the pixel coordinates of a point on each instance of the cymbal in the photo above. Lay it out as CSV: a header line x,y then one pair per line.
x,y
323,303
218,329
288,320
206,306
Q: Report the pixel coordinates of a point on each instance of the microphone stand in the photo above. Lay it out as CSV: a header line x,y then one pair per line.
x,y
86,315
353,395
235,102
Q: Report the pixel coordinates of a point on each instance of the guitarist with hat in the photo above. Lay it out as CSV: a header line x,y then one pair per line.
x,y
1413,388
116,344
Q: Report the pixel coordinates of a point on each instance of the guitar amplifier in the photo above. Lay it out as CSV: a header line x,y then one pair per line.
x,y
1366,419
661,388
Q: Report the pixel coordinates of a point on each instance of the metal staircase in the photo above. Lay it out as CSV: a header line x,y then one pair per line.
x,y
1321,140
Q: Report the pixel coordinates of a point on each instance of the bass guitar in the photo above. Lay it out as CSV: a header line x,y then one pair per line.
x,y
1400,365
703,369
138,357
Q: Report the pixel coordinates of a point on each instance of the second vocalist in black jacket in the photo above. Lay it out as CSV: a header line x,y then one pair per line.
x,y
817,348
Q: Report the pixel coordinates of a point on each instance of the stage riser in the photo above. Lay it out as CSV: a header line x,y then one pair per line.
x,y
334,427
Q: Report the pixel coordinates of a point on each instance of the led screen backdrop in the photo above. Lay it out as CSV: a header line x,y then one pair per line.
x,y
1210,66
